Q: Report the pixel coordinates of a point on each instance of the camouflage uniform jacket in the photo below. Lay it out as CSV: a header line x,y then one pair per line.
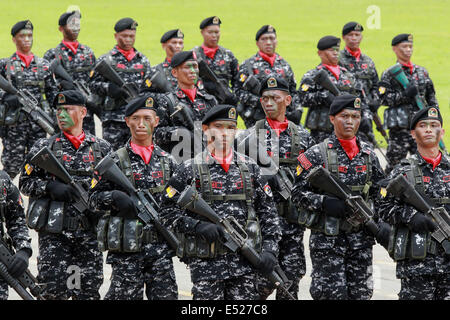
x,y
351,172
167,68
145,176
436,184
13,211
133,71
228,265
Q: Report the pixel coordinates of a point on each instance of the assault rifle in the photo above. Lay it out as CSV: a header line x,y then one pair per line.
x,y
30,106
221,87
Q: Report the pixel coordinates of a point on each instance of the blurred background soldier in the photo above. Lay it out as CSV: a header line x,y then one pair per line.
x,y
366,76
140,257
66,231
401,96
133,67
77,59
25,71
314,91
253,70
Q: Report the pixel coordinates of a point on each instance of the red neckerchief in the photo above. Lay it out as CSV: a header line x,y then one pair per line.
x,y
210,52
168,60
356,54
144,152
190,93
25,59
224,162
278,126
335,70
435,162
409,65
76,141
129,55
350,147
72,45
269,59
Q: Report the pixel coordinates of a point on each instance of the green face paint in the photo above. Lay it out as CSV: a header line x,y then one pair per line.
x,y
63,116
149,130
192,68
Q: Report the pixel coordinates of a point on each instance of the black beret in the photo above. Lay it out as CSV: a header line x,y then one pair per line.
x,y
65,16
181,57
328,42
345,101
265,29
125,23
351,26
220,112
210,21
273,83
175,33
70,97
424,114
141,102
403,37
25,24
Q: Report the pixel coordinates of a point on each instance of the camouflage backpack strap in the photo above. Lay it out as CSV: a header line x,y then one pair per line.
x,y
125,164
18,72
295,144
248,189
165,173
56,146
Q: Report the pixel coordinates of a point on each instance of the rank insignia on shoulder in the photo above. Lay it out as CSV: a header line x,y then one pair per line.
x,y
242,77
170,191
148,83
383,192
28,169
268,190
381,90
93,183
305,87
299,170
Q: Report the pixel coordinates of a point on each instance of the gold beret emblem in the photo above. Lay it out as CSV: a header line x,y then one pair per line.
x,y
61,98
271,82
232,113
357,103
149,102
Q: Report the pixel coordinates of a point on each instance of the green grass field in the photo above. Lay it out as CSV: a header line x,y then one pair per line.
x,y
299,25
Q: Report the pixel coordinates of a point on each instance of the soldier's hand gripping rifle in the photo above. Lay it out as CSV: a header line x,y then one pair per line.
x,y
184,116
405,191
221,87
321,179
30,106
143,200
46,160
396,71
105,69
24,282
235,236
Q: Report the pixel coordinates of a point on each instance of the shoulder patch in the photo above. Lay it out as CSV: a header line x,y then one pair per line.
x,y
268,190
306,164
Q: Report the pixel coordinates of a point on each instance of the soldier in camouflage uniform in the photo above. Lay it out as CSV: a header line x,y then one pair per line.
x,y
76,58
233,186
221,60
133,67
265,62
318,99
424,270
283,141
196,102
12,215
401,102
69,262
148,259
25,71
341,254
365,73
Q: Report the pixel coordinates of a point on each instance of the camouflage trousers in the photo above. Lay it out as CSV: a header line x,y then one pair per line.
x,y
425,287
70,265
132,271
17,142
400,142
319,136
116,133
339,273
239,288
292,261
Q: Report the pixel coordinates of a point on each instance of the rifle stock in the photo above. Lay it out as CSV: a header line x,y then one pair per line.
x,y
222,93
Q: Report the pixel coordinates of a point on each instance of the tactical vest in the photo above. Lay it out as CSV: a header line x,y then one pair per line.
x,y
69,67
404,243
117,234
3,195
195,246
198,50
49,215
328,225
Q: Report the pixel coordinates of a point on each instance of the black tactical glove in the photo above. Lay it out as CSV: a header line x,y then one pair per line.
x,y
60,191
374,105
209,86
123,203
329,98
411,90
365,125
334,207
295,116
268,262
421,223
67,85
19,262
209,231
114,91
11,101
383,234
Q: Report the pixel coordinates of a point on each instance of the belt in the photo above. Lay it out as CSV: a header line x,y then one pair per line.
x,y
151,236
75,223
